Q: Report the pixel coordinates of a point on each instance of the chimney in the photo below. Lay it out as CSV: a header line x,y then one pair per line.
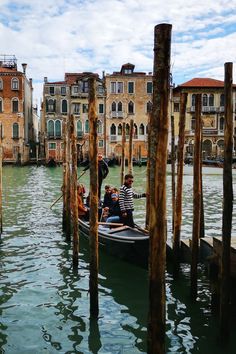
x,y
45,79
24,65
31,80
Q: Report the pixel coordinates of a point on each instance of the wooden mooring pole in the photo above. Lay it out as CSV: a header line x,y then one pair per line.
x,y
93,234
122,166
180,167
173,159
227,206
68,183
157,226
64,176
148,181
196,196
130,160
1,157
73,197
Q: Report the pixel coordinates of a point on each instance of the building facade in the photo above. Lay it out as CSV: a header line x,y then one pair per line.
x,y
16,112
212,92
60,99
128,96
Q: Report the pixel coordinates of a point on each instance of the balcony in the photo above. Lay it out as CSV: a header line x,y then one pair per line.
x,y
222,109
115,114
113,138
209,109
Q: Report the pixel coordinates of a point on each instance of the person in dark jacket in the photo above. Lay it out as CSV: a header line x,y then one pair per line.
x,y
103,171
126,200
107,201
114,210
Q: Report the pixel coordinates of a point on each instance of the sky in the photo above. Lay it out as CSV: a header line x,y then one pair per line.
x,y
58,36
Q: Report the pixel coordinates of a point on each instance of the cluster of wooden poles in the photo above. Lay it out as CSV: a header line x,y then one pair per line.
x,y
156,188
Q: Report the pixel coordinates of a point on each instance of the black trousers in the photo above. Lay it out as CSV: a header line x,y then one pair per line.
x,y
128,220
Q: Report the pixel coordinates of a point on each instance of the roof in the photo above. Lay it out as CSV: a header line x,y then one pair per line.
x,y
8,70
55,83
203,82
71,78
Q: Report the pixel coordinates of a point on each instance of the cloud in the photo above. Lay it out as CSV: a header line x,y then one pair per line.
x,y
95,35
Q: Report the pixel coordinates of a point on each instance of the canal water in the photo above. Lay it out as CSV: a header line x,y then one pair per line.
x,y
44,305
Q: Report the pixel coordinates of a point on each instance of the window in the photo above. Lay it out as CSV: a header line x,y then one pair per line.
x,y
51,146
128,71
64,106
176,107
131,107
211,100
100,143
15,131
113,129
193,123
58,129
193,100
75,89
85,108
119,87
149,87
149,107
113,87
76,108
86,127
127,129
113,107
15,84
1,105
222,100
119,129
50,105
79,129
15,105
63,90
1,84
51,128
101,108
222,123
119,106
141,129
205,100
85,87
130,87
51,90
99,127
135,131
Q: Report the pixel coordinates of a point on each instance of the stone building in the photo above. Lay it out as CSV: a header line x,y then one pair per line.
x,y
212,92
16,116
128,96
62,98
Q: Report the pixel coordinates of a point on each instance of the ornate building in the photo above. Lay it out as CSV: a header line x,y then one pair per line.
x,y
16,112
212,92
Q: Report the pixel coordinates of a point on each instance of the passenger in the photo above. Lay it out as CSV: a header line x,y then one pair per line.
x,y
115,190
107,201
126,200
83,211
114,210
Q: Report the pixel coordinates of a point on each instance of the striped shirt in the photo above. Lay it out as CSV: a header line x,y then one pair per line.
x,y
126,198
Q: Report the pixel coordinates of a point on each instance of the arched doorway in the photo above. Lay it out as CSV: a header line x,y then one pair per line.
x,y
220,148
207,148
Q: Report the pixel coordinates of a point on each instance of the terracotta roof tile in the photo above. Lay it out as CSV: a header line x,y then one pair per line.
x,y
203,82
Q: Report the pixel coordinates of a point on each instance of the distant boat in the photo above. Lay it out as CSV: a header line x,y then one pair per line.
x,y
51,163
129,244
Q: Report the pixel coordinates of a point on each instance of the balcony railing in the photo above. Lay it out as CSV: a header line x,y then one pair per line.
x,y
115,114
113,138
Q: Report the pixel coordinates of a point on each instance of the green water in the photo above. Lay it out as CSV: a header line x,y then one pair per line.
x,y
44,305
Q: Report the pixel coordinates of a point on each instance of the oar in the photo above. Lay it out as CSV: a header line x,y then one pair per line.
x,y
55,201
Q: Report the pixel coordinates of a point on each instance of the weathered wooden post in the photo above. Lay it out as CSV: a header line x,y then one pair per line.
x,y
148,181
202,221
157,228
130,159
227,205
122,167
73,197
93,234
105,113
64,175
196,196
68,183
1,157
180,166
173,158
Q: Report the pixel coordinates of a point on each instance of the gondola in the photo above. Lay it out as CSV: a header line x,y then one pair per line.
x,y
124,242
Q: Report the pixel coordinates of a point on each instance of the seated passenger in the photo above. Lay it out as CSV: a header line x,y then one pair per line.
x,y
107,197
114,210
83,211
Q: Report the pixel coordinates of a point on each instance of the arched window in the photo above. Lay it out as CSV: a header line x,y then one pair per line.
x,y
119,129
222,123
127,129
64,106
99,127
131,107
15,84
86,127
135,131
222,100
79,126
193,100
51,128
15,131
15,105
113,107
58,128
1,84
141,129
50,105
119,106
113,129
211,100
149,107
1,105
205,100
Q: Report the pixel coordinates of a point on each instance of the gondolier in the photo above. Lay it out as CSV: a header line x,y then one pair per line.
x,y
126,200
